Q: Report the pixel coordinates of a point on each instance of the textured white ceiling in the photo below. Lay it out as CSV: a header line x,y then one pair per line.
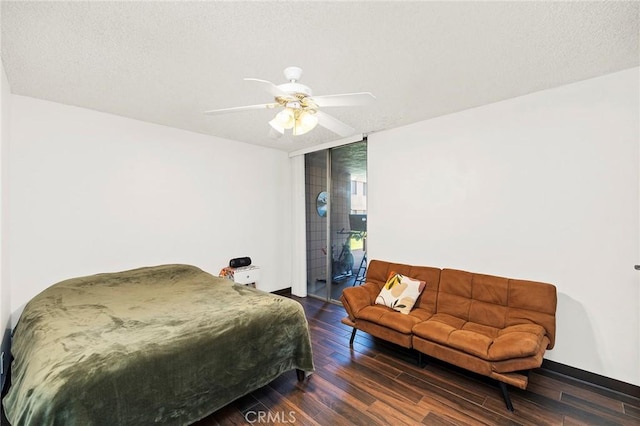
x,y
166,62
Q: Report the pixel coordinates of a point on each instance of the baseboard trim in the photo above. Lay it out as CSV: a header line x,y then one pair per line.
x,y
283,292
592,378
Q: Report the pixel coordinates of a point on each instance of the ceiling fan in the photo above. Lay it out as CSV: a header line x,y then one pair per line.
x,y
300,111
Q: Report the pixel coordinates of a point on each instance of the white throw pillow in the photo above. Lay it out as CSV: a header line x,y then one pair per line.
x,y
400,292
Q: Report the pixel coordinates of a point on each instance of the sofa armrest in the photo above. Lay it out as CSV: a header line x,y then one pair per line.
x,y
355,298
518,341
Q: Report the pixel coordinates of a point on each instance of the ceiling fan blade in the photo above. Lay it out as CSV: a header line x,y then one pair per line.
x,y
345,99
242,108
333,124
270,88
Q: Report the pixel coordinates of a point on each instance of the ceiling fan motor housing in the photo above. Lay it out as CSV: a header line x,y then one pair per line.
x,y
293,74
294,88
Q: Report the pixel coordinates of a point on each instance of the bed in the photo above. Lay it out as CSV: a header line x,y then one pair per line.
x,y
165,344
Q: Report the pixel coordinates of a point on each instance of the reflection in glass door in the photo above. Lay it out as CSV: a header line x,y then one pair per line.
x,y
316,201
336,191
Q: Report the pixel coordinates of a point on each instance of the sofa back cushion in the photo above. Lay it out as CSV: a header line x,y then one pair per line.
x,y
497,301
378,273
478,298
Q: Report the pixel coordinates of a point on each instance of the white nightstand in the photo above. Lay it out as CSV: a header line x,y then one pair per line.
x,y
246,275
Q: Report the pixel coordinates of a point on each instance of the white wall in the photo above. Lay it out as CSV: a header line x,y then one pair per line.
x,y
5,293
542,187
92,192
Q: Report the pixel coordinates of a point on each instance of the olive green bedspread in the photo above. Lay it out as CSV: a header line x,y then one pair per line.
x,y
165,344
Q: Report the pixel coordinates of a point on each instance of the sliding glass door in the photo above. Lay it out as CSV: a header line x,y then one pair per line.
x,y
336,185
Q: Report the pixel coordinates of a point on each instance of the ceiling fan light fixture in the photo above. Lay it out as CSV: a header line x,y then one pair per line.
x,y
305,122
285,118
276,126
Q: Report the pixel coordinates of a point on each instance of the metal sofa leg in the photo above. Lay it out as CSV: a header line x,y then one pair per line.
x,y
353,336
505,395
423,359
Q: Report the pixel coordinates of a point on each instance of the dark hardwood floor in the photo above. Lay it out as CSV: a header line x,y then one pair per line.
x,y
377,383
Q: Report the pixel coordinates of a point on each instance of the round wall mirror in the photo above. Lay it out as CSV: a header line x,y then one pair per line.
x,y
321,203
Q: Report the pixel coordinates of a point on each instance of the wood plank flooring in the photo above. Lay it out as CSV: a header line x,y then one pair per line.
x,y
378,383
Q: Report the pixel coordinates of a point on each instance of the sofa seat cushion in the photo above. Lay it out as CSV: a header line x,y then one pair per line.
x,y
387,317
485,342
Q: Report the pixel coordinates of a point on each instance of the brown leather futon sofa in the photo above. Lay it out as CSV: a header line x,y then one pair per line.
x,y
494,326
